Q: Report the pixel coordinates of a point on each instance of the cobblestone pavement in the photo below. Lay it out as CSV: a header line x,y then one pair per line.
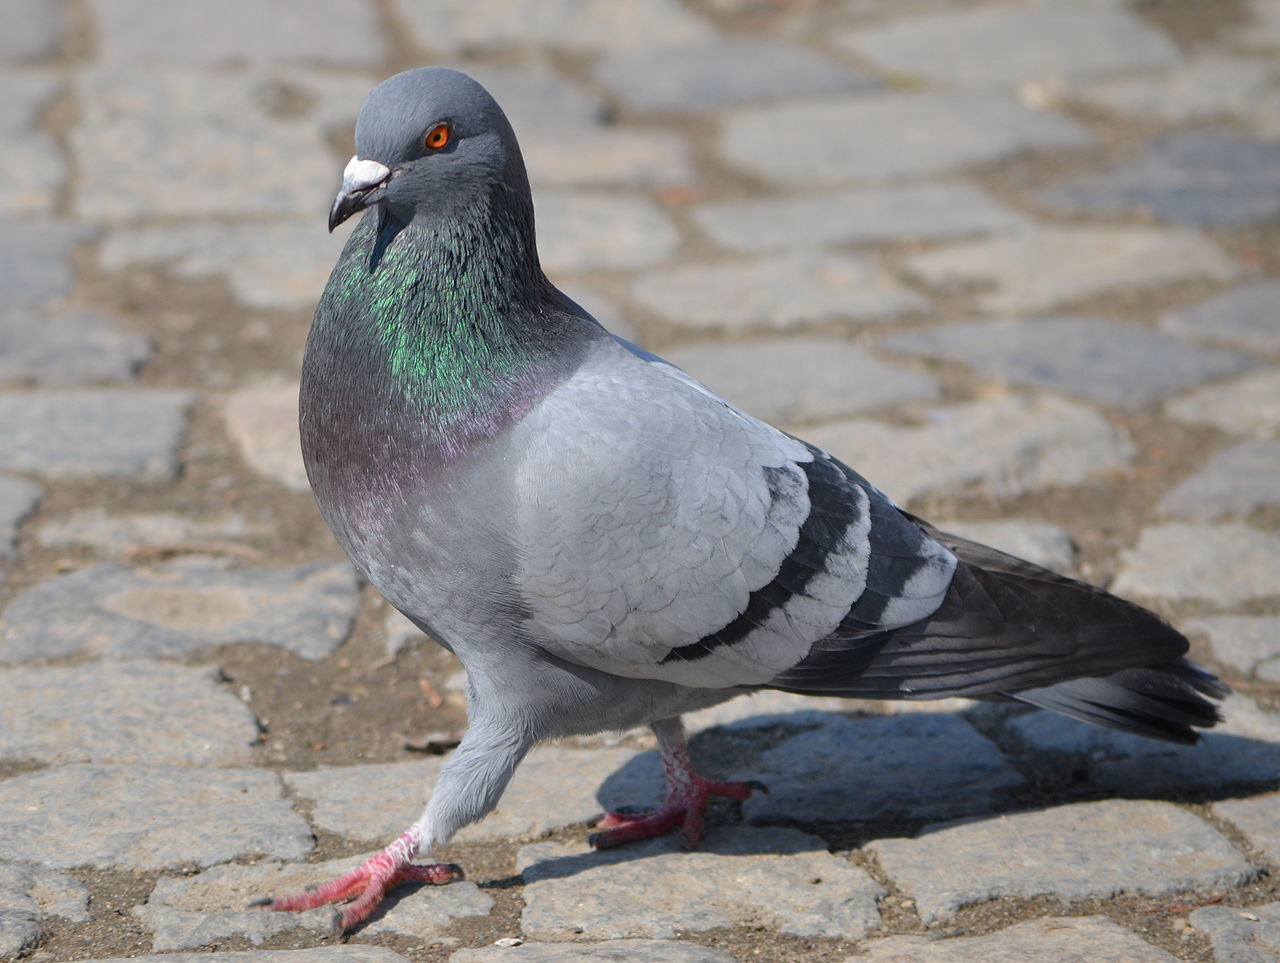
x,y
1017,261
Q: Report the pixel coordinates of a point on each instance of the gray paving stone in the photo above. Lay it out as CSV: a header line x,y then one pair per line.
x,y
766,709
1200,88
1199,177
777,291
342,32
185,141
1236,481
190,912
130,713
1006,446
590,232
262,419
781,878
1260,32
18,499
722,74
1225,564
1251,643
34,29
1242,751
28,894
96,528
890,213
347,953
181,606
1258,817
1247,317
279,265
1093,850
35,264
1063,939
606,156
608,313
879,136
1040,542
1241,935
613,951
32,168
537,100
464,26
89,434
920,766
554,787
147,817
67,348
1046,42
790,380
1248,405
1096,360
1042,268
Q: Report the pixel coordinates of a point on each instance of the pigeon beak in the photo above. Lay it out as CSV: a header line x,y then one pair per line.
x,y
362,182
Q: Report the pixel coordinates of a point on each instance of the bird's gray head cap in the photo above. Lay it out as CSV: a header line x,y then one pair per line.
x,y
428,140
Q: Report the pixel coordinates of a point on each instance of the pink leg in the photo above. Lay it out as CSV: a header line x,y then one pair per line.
x,y
367,884
687,797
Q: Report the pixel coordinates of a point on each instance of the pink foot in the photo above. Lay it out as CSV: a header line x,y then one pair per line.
x,y
685,806
366,885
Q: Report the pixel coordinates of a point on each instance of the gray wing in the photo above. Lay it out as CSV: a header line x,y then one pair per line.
x,y
661,533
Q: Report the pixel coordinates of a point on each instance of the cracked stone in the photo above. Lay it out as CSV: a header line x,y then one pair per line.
x,y
470,26
1245,317
1239,934
28,895
1038,43
1250,643
1096,360
783,879
1258,818
87,434
1006,446
191,912
723,73
922,765
182,606
1248,405
1093,850
1054,938
781,291
554,787
1202,178
1225,564
340,32
1236,481
589,232
790,380
147,818
879,136
68,348
124,713
262,420
890,213
1044,544
1045,267
18,499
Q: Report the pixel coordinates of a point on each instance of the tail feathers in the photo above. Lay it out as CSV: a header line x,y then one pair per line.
x,y
1162,702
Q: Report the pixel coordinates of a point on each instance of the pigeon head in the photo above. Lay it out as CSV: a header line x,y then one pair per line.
x,y
429,142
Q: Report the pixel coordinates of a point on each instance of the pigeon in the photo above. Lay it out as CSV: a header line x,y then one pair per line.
x,y
604,542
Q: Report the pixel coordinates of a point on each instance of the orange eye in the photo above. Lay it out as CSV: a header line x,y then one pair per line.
x,y
437,137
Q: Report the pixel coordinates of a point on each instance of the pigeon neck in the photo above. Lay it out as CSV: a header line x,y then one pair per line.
x,y
452,317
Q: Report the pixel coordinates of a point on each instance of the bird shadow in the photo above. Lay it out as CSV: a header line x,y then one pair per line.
x,y
844,780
